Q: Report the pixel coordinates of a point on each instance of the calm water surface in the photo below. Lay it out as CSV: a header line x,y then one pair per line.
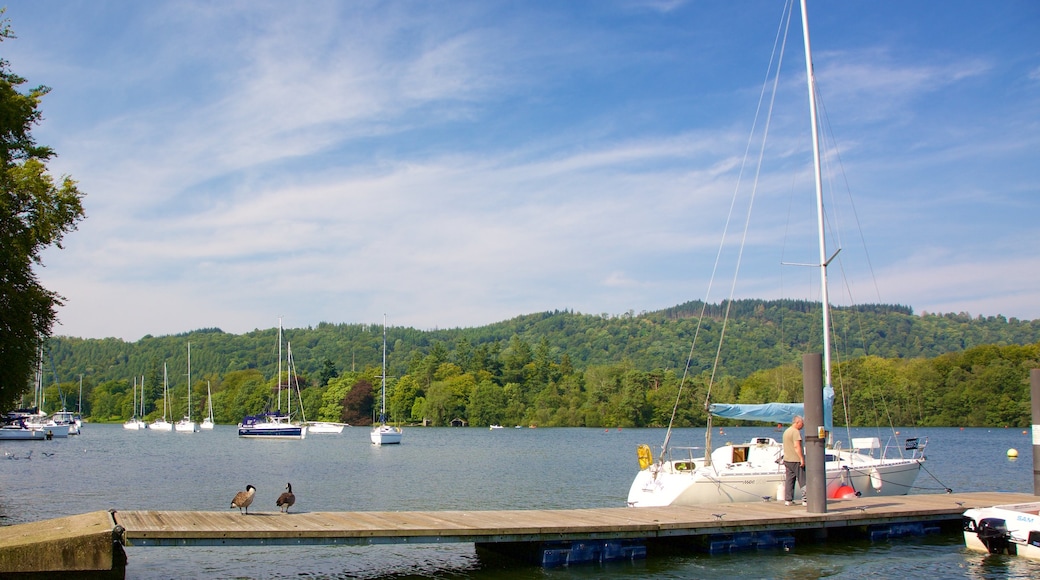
x,y
108,467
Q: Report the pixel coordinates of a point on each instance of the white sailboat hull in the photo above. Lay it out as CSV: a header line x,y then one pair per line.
x,y
206,424
386,435
186,426
756,476
49,427
327,428
18,433
161,425
135,425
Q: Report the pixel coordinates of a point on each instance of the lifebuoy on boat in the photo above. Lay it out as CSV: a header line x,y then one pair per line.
x,y
875,479
646,457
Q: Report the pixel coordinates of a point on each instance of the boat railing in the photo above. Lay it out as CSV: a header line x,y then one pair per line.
x,y
684,458
909,448
915,445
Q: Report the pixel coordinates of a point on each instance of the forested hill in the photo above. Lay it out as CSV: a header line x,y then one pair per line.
x,y
760,335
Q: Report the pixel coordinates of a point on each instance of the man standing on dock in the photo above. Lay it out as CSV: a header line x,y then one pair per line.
x,y
794,460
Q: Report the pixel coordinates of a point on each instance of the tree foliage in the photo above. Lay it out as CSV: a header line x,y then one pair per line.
x,y
35,213
357,404
553,369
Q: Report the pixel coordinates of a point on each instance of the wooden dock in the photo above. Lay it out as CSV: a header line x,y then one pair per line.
x,y
551,537
174,528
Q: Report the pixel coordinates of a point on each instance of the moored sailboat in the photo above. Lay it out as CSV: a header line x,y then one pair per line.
x,y
186,425
161,424
66,418
135,422
36,418
277,424
754,471
14,428
384,434
207,423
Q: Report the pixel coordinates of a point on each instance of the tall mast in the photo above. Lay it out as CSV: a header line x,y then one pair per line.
x,y
288,377
382,411
818,174
279,363
165,383
189,381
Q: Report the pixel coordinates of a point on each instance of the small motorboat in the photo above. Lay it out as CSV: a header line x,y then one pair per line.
x,y
1012,529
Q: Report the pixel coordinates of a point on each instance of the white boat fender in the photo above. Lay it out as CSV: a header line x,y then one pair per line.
x,y
875,479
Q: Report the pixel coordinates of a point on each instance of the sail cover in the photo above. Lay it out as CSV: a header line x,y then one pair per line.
x,y
768,412
773,412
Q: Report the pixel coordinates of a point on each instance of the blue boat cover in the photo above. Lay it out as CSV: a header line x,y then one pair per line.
x,y
773,412
766,412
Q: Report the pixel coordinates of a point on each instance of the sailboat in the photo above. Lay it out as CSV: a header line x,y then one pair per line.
x,y
276,424
36,418
754,471
207,423
135,423
384,434
161,424
66,418
186,425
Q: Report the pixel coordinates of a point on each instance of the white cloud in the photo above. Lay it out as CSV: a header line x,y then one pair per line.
x,y
455,165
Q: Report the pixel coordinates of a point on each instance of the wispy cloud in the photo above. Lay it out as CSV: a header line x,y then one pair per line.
x,y
456,164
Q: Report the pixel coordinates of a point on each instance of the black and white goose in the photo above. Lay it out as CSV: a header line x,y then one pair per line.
x,y
287,499
243,499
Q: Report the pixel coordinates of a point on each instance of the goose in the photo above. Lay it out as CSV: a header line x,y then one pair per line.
x,y
243,499
287,499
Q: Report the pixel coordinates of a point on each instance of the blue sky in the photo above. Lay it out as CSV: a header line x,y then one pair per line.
x,y
453,164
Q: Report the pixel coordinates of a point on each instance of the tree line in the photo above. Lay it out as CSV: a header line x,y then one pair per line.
x,y
568,369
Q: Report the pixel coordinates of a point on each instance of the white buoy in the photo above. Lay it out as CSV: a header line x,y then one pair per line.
x,y
1012,453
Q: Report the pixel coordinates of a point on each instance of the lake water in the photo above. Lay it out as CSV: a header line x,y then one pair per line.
x,y
108,467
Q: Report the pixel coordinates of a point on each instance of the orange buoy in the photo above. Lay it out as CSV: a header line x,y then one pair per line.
x,y
843,492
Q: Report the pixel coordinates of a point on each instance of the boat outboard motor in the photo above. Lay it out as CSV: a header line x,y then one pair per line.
x,y
993,534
